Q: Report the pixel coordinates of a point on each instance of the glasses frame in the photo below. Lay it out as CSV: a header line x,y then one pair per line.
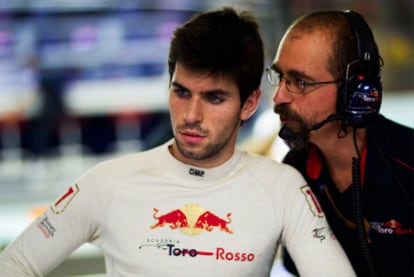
x,y
270,73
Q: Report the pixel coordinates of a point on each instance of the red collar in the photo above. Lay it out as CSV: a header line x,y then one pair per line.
x,y
315,162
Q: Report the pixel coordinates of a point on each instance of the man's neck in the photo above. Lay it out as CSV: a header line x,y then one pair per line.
x,y
338,154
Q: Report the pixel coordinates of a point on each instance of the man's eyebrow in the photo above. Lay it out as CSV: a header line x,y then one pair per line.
x,y
296,73
301,75
217,91
178,85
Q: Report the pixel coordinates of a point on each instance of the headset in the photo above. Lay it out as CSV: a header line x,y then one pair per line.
x,y
359,103
360,97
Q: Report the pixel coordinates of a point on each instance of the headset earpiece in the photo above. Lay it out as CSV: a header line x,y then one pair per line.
x,y
361,95
363,100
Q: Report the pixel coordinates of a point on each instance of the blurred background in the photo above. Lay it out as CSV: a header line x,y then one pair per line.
x,y
83,81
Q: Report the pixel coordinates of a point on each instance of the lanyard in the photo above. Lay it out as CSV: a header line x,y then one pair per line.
x,y
348,222
325,190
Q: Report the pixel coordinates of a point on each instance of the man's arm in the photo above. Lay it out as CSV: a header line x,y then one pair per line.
x,y
52,237
309,239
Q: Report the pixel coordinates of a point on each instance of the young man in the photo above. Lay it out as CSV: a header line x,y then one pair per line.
x,y
359,164
194,206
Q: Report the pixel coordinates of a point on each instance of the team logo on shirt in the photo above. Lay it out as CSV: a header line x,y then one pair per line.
x,y
64,200
313,203
192,219
391,227
219,253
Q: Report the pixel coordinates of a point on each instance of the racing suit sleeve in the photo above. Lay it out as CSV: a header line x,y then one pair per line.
x,y
69,222
308,237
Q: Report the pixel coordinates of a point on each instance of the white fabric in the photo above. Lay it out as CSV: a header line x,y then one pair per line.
x,y
155,216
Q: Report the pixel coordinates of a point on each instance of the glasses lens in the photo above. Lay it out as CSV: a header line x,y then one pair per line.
x,y
272,77
294,84
291,84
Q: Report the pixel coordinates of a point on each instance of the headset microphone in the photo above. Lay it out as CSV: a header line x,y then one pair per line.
x,y
332,117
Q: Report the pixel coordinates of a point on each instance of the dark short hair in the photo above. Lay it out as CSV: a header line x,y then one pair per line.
x,y
222,43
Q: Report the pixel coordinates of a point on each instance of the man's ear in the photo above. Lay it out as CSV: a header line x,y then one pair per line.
x,y
251,104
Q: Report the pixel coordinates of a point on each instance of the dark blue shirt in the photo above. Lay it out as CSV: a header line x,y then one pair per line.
x,y
387,199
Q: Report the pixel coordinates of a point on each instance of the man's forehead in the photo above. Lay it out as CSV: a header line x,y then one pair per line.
x,y
303,55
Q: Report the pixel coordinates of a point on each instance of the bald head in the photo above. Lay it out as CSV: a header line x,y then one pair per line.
x,y
334,29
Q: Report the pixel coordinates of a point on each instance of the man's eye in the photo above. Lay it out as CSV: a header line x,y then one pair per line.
x,y
214,98
299,83
180,92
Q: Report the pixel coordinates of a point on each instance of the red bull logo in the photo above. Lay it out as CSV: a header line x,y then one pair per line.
x,y
208,221
393,224
175,219
192,220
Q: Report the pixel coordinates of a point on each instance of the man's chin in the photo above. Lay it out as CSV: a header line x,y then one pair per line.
x,y
298,141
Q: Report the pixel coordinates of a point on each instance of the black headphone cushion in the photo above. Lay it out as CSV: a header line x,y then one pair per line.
x,y
363,99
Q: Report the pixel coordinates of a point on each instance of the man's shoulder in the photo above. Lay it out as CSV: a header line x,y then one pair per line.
x,y
386,126
133,161
398,138
263,165
296,158
259,159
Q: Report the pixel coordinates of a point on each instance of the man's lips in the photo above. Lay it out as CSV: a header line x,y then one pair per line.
x,y
285,120
191,137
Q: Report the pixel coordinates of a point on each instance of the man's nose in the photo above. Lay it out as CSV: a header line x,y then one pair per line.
x,y
281,94
193,111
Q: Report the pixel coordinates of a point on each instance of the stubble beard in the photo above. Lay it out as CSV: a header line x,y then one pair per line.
x,y
208,152
299,138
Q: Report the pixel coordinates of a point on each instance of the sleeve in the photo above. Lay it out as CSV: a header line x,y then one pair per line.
x,y
307,235
69,222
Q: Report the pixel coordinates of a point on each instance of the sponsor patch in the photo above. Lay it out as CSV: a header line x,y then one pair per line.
x,y
47,229
313,203
319,233
64,200
196,172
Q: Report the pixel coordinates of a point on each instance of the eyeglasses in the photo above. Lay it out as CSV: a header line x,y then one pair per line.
x,y
293,83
